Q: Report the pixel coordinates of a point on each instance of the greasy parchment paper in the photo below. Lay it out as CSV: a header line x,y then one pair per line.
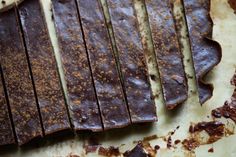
x,y
190,112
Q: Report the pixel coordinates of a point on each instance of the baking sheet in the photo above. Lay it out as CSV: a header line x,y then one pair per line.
x,y
190,112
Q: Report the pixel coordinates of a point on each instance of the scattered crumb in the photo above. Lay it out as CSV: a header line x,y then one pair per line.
x,y
108,152
177,142
190,144
232,3
157,147
91,145
153,77
72,155
3,2
150,138
211,150
214,129
169,142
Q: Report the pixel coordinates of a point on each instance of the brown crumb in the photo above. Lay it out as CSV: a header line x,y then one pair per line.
x,y
226,111
214,129
72,155
177,142
232,3
169,142
211,150
3,2
153,77
157,147
150,138
190,144
91,145
108,152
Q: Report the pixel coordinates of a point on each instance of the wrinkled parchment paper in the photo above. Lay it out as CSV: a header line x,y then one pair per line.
x,y
190,112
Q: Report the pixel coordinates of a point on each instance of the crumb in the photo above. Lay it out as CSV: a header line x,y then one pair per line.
x,y
177,142
3,2
211,150
157,147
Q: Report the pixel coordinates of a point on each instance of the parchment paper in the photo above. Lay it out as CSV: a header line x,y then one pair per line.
x,y
190,112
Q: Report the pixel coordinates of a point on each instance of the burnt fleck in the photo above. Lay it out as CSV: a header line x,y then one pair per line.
x,y
211,150
153,77
157,147
169,142
108,152
177,142
228,110
3,2
190,144
214,129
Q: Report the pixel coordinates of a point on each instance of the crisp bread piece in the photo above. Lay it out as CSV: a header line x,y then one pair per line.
x,y
168,54
44,68
81,94
6,132
132,61
206,53
108,86
18,80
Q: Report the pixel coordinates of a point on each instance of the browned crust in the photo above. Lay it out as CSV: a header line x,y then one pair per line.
x,y
206,53
168,53
132,61
110,95
6,132
18,82
83,105
44,68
